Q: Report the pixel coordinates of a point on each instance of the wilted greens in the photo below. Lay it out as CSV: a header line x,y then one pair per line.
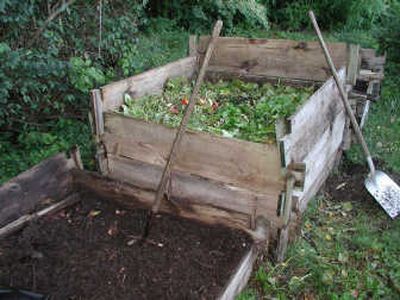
x,y
235,108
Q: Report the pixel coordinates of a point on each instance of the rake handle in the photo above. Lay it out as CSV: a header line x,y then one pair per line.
x,y
188,112
345,101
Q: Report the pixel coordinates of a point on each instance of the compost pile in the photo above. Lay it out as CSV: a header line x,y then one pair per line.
x,y
235,108
91,251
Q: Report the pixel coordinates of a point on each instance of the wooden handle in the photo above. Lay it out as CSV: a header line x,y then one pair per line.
x,y
188,112
346,103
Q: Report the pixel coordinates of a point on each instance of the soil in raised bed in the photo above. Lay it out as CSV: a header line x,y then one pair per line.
x,y
91,251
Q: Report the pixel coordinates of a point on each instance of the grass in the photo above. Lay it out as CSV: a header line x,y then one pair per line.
x,y
343,254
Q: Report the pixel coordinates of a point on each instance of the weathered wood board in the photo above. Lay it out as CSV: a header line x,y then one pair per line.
x,y
241,276
148,83
239,163
273,58
310,121
47,181
316,136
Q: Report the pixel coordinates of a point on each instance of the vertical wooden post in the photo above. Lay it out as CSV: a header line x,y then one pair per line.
x,y
193,44
353,64
76,156
98,129
284,231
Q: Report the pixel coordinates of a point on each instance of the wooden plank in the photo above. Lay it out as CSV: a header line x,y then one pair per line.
x,y
215,76
48,180
188,189
25,219
192,46
368,75
147,83
241,276
370,61
97,112
273,57
354,64
239,163
312,119
320,160
133,196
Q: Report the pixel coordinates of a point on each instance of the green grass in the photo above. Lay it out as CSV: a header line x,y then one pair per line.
x,y
343,253
382,129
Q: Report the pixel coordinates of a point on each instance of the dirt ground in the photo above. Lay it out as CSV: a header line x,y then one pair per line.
x,y
91,251
348,184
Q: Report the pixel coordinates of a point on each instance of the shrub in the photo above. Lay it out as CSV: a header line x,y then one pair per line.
x,y
199,16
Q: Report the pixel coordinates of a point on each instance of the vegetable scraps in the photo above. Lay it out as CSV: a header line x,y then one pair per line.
x,y
235,108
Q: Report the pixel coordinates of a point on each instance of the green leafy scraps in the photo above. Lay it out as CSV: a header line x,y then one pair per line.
x,y
235,108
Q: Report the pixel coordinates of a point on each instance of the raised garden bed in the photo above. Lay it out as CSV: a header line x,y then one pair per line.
x,y
78,238
91,251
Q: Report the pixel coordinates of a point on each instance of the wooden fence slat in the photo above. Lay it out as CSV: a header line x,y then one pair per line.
x,y
50,179
147,83
273,57
240,163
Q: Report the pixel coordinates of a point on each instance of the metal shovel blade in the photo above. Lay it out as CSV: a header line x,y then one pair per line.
x,y
385,191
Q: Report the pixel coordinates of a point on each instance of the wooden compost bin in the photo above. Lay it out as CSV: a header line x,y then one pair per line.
x,y
58,182
226,180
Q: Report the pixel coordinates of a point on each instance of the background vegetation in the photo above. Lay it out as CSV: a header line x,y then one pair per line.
x,y
53,52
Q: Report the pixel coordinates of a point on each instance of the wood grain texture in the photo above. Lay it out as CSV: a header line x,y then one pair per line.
x,y
312,119
241,276
317,133
134,196
273,57
239,163
147,83
188,189
320,160
48,180
354,64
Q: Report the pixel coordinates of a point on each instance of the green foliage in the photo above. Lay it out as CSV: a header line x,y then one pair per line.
x,y
199,16
29,81
83,76
32,146
233,109
388,32
332,15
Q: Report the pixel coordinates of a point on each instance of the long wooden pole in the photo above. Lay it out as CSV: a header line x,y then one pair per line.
x,y
182,128
345,101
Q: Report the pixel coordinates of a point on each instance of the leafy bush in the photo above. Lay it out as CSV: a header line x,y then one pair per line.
x,y
389,31
199,16
34,145
332,15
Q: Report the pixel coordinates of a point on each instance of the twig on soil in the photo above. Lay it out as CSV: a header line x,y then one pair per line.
x,y
25,219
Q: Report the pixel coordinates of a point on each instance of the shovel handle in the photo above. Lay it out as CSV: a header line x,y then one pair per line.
x,y
186,116
343,95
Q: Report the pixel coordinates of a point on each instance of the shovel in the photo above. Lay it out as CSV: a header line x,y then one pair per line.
x,y
378,184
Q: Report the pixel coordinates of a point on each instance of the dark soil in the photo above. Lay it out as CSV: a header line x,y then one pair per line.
x,y
91,251
348,185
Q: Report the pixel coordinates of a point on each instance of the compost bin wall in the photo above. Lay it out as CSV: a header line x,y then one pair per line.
x,y
219,179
